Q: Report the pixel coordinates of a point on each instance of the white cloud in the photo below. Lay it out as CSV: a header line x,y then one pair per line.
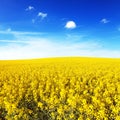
x,y
17,33
70,25
42,15
104,21
41,48
45,48
28,46
29,8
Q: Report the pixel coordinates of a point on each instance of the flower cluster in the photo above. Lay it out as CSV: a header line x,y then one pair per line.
x,y
60,89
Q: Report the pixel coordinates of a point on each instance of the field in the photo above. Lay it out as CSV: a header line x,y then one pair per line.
x,y
60,89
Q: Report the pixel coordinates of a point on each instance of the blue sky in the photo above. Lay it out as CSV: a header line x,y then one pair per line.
x,y
55,28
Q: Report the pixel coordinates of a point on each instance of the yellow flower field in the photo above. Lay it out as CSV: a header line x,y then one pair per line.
x,y
60,89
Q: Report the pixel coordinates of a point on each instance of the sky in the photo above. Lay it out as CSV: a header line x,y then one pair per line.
x,y
58,28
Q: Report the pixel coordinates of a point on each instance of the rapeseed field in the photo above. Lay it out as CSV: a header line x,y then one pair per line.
x,y
60,89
